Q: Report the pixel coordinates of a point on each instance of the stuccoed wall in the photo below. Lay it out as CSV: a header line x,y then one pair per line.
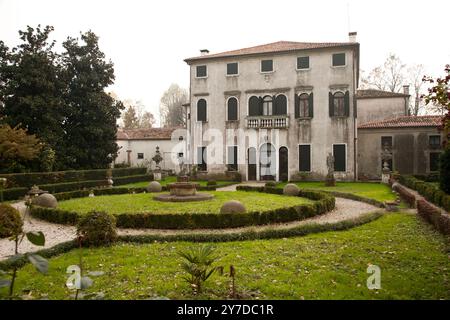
x,y
374,109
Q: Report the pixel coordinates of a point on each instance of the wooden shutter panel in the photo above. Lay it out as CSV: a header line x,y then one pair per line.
x,y
330,104
311,105
297,106
347,103
261,112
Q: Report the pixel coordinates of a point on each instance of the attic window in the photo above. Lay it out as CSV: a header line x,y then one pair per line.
x,y
232,68
266,65
338,59
140,156
180,138
201,72
302,63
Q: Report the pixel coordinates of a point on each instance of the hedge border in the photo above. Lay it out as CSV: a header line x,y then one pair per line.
x,y
297,231
324,203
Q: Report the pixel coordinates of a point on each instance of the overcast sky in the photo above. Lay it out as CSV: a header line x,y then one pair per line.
x,y
148,40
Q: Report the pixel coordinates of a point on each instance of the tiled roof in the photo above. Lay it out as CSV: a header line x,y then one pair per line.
x,y
404,122
145,134
275,47
372,93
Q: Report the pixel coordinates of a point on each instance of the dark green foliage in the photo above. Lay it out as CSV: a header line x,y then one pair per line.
x,y
97,229
323,204
131,179
444,168
10,221
211,183
271,184
43,178
430,191
14,193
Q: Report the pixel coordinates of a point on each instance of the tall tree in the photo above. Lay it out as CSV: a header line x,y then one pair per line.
x,y
171,107
388,77
130,118
147,120
31,87
135,116
91,122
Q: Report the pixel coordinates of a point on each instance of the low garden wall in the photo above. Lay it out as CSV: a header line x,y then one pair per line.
x,y
323,203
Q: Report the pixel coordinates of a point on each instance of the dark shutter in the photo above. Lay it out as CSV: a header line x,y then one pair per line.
x,y
232,68
201,110
253,106
201,158
280,104
261,108
297,106
232,109
347,103
311,105
330,104
339,157
201,71
304,158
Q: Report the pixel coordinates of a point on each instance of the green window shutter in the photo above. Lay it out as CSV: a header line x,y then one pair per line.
x,y
261,112
297,106
347,103
275,106
330,104
311,105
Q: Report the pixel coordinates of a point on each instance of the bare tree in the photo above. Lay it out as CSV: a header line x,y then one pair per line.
x,y
388,77
415,75
135,116
171,107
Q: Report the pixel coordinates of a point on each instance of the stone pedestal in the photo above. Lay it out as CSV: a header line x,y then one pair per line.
x,y
157,176
385,177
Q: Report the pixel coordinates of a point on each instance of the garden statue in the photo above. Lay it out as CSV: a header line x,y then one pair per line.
x,y
157,158
109,178
386,155
329,180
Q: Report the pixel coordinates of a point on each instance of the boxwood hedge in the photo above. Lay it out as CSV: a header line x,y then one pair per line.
x,y
323,203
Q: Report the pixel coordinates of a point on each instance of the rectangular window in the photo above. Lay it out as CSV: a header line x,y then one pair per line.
x,y
180,154
266,65
386,142
201,72
232,154
338,59
303,63
232,68
201,159
339,154
434,161
434,142
304,157
140,156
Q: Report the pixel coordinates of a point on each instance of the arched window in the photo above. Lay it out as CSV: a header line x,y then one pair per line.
x,y
280,105
339,104
267,105
254,107
201,110
232,108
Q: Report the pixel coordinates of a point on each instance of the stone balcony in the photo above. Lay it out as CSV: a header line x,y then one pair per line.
x,y
267,122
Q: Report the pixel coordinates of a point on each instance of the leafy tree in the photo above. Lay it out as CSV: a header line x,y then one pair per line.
x,y
90,125
439,94
130,119
17,148
147,120
31,87
171,107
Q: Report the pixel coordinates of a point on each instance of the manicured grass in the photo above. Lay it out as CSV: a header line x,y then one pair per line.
x,y
143,202
331,265
168,180
376,191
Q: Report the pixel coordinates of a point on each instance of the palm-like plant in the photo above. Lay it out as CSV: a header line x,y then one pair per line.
x,y
198,265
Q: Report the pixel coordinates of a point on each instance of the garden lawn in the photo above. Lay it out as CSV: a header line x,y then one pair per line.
x,y
168,180
143,202
376,191
331,265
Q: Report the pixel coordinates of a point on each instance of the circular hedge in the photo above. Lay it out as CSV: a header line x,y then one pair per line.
x,y
322,203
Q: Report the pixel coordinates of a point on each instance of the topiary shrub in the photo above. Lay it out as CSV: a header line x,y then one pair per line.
x,y
97,229
444,168
232,206
10,221
291,189
271,184
211,183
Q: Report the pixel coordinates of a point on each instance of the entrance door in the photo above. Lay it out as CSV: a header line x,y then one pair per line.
x,y
251,163
267,162
283,164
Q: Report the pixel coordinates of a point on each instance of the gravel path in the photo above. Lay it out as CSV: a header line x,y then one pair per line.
x,y
55,233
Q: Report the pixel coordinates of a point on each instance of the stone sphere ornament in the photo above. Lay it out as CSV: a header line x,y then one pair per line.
x,y
154,186
46,200
291,190
233,206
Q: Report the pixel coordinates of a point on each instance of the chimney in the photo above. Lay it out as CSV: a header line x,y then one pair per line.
x,y
352,36
406,89
204,52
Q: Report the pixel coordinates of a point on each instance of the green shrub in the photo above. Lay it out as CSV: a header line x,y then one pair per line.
x,y
211,183
10,221
97,229
271,184
14,193
131,179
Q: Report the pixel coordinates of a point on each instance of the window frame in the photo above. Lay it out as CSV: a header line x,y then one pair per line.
x,y
203,160
233,74
340,65
261,66
434,146
237,108
236,168
343,104
196,71
303,69
139,157
307,106
429,161
345,149
310,156
206,110
269,105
